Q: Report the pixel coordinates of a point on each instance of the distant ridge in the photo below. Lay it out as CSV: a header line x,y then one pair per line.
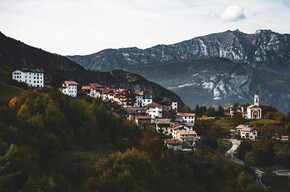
x,y
17,54
219,68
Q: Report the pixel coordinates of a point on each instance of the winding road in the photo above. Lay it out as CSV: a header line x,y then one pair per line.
x,y
230,154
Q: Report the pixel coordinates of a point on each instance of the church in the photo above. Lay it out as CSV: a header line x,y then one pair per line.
x,y
254,111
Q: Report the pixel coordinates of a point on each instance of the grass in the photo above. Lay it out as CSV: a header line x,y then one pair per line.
x,y
7,92
264,121
206,150
98,155
226,125
224,146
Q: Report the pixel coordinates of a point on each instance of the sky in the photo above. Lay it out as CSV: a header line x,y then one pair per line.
x,y
80,27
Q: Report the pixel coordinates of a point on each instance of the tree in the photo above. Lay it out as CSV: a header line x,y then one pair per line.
x,y
186,109
197,110
23,112
220,111
211,111
238,118
56,80
250,158
157,99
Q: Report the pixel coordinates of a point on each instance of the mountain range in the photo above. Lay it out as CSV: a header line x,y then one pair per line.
x,y
16,54
216,69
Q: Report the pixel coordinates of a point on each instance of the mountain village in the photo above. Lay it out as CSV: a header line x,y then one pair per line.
x,y
141,109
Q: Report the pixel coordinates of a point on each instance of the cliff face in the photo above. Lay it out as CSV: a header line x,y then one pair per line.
x,y
17,54
219,68
264,49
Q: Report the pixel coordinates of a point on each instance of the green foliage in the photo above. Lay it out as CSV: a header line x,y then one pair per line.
x,y
40,133
186,109
238,118
56,80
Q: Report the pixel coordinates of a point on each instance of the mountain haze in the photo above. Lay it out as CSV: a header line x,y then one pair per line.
x,y
17,54
220,68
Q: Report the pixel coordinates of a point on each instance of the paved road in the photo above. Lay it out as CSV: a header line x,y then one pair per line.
x,y
230,153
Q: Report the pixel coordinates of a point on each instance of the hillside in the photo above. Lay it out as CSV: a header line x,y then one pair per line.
x,y
17,54
215,69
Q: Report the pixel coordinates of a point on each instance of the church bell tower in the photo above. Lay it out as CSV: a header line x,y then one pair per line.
x,y
256,99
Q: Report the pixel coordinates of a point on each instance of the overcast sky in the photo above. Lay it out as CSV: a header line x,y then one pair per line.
x,y
71,27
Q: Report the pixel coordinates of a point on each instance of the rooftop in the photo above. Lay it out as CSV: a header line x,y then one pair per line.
x,y
187,114
71,83
143,117
173,141
187,132
153,104
162,121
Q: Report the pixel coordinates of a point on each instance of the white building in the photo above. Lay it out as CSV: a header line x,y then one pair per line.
x,y
174,105
174,144
163,126
154,110
143,99
32,77
187,117
108,95
246,132
187,136
70,88
93,90
254,111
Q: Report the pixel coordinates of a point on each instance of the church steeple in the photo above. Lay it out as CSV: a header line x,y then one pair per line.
x,y
256,99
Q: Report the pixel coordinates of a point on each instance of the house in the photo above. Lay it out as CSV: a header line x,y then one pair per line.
x,y
32,77
118,93
237,109
163,126
70,88
254,111
246,132
285,138
177,127
143,99
168,105
154,110
93,90
188,137
96,90
132,112
127,99
187,117
174,105
143,119
108,95
174,144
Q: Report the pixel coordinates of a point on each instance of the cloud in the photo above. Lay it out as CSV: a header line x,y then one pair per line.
x,y
233,13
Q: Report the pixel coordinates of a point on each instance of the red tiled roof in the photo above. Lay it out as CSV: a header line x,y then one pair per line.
x,y
96,85
108,91
120,91
285,137
143,117
86,87
141,93
173,141
175,125
71,83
